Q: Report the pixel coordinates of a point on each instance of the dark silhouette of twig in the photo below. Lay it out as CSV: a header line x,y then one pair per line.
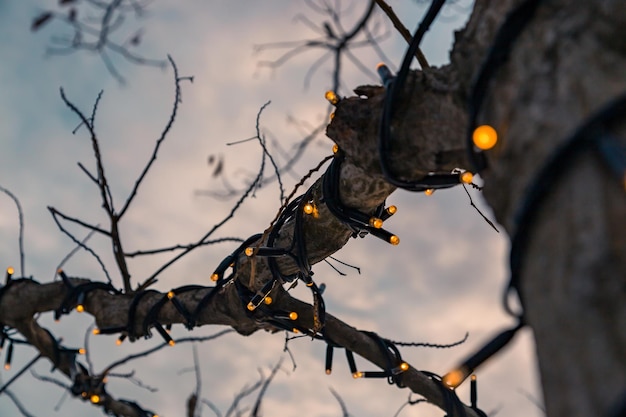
x,y
181,247
18,404
20,215
342,404
159,141
431,345
402,30
72,252
334,39
95,34
266,383
161,346
248,192
82,245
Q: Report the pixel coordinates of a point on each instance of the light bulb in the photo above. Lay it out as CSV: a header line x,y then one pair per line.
x,y
357,374
375,222
467,177
215,277
392,209
293,315
268,300
335,148
331,97
95,399
170,295
249,251
455,377
308,208
485,137
429,191
80,308
404,366
10,270
82,351
394,240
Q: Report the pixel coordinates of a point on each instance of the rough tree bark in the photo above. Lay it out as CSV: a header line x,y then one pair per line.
x,y
568,62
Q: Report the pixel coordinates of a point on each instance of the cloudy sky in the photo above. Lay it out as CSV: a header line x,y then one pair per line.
x,y
443,280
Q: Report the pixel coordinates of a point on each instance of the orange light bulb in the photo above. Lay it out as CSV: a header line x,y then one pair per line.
x,y
485,137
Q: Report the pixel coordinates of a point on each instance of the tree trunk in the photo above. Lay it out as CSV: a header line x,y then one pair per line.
x,y
568,63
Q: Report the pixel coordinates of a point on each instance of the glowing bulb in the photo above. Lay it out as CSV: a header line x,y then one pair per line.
x,y
215,277
268,300
454,378
331,116
251,306
119,342
485,137
293,315
170,295
308,208
357,374
331,97
80,308
467,177
376,223
392,209
7,366
95,399
404,366
83,394
473,377
10,270
309,284
394,240
82,351
328,371
95,331
429,191
171,342
249,251
335,148
295,330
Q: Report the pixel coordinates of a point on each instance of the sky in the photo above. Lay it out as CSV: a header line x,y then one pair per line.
x,y
444,279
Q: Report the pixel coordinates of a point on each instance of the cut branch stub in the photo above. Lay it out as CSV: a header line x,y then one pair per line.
x,y
429,125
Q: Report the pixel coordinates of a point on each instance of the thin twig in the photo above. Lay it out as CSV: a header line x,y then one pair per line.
x,y
404,32
20,215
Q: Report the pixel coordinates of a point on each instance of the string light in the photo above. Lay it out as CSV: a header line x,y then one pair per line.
x,y
308,208
485,137
95,399
473,392
268,300
375,222
10,272
96,331
335,148
384,73
467,177
7,361
429,191
82,351
331,97
455,377
394,240
80,308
